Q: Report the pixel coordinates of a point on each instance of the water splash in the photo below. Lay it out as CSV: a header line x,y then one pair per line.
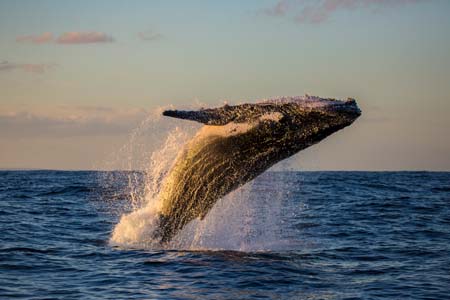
x,y
247,219
136,229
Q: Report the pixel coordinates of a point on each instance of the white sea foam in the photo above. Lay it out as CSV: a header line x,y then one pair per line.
x,y
136,229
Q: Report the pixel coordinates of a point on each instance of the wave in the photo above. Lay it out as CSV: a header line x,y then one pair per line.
x,y
67,190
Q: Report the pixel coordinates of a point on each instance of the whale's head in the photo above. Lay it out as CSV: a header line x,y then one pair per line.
x,y
315,113
346,110
299,122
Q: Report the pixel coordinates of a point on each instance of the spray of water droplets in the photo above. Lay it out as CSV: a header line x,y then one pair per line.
x,y
247,219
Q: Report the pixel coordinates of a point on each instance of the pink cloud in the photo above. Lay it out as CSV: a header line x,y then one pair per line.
x,y
30,68
44,38
279,9
76,37
319,11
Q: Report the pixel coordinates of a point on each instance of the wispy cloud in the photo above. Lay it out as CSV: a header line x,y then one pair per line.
x,y
30,68
76,37
150,35
65,121
44,38
73,37
279,9
319,11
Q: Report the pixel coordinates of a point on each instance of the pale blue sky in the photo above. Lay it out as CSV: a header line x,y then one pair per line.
x,y
394,58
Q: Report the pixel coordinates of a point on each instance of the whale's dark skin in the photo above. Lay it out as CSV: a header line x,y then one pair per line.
x,y
238,144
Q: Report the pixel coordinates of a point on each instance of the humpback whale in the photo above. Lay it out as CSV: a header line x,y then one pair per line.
x,y
236,144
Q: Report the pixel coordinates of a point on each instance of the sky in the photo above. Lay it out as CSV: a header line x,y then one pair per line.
x,y
77,77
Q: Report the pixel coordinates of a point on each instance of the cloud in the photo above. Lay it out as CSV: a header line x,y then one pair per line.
x,y
30,68
44,38
73,37
279,9
65,121
149,36
76,37
319,11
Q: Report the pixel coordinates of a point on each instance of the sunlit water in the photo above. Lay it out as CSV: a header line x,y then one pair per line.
x,y
288,235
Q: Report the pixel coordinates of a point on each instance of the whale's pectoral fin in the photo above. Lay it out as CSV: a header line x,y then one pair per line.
x,y
206,116
218,116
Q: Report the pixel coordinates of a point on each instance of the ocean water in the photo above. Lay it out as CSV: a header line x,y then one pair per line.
x,y
287,235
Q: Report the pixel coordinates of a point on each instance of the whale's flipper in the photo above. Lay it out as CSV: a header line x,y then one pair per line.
x,y
205,116
221,115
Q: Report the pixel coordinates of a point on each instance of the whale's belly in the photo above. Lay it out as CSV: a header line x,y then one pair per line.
x,y
217,161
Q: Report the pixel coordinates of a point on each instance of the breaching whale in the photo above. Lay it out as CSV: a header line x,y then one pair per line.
x,y
238,143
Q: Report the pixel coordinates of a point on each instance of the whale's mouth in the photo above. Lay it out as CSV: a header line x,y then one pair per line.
x,y
349,107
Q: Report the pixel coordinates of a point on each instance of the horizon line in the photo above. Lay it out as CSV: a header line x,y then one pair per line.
x,y
272,171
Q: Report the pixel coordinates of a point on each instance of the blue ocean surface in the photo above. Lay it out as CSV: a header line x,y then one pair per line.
x,y
342,235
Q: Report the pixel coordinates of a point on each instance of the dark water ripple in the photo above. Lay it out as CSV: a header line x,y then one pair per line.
x,y
363,236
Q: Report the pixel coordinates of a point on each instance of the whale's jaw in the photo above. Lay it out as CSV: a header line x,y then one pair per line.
x,y
238,144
